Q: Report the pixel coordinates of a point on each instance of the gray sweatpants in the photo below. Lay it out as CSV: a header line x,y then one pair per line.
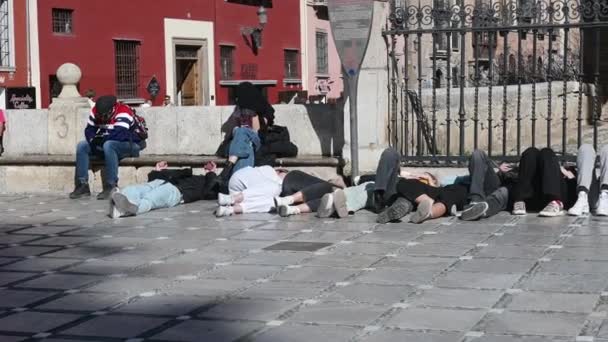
x,y
587,179
585,163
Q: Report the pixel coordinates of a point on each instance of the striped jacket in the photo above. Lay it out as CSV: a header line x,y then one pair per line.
x,y
119,127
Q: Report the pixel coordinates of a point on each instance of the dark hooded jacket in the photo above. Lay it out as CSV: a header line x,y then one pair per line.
x,y
249,97
193,188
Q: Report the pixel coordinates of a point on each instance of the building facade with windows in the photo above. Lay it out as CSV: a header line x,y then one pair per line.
x,y
15,61
321,63
197,51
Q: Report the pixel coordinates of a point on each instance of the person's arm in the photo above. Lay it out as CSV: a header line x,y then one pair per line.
x,y
91,129
255,123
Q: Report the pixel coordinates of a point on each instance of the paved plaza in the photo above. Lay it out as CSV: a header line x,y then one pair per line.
x,y
69,273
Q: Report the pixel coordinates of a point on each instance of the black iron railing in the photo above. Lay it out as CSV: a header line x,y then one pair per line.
x,y
496,75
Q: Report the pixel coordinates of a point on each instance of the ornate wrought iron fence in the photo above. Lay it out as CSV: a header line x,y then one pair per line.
x,y
498,75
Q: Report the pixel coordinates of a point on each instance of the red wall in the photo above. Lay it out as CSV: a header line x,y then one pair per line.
x,y
282,31
19,77
97,23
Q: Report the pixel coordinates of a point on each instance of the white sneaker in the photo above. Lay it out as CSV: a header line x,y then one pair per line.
x,y
288,210
553,209
224,200
581,207
224,211
519,208
326,207
602,204
280,201
113,212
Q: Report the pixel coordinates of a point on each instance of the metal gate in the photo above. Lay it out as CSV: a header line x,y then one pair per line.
x,y
496,75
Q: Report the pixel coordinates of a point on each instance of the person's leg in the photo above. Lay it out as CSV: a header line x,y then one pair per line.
x,y
83,157
81,177
427,209
357,197
585,165
495,203
525,187
387,175
141,198
602,203
484,180
297,180
241,151
163,196
551,180
113,152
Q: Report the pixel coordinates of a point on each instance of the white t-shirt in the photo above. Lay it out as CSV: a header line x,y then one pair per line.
x,y
248,177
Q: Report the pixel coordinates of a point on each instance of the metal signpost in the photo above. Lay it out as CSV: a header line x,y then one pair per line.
x,y
351,23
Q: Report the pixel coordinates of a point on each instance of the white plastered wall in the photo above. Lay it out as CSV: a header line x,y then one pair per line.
x,y
189,29
34,50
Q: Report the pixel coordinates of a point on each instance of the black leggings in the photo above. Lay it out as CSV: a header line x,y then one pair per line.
x,y
312,188
540,179
450,195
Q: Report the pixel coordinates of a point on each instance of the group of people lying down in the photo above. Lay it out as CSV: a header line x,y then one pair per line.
x,y
538,183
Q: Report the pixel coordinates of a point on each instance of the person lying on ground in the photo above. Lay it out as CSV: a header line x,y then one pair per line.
x,y
427,197
301,193
165,188
592,192
343,202
487,194
251,190
541,184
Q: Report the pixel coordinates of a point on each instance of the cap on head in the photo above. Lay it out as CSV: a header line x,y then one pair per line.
x,y
105,104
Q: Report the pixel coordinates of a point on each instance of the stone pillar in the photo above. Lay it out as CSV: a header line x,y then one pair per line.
x,y
67,113
372,99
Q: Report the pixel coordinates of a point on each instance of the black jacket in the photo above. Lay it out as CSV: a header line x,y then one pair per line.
x,y
193,188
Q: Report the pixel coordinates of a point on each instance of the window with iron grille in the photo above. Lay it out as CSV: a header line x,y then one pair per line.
x,y
62,21
126,54
322,64
227,61
5,35
291,64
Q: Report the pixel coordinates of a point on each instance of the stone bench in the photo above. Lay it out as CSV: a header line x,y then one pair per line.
x,y
55,173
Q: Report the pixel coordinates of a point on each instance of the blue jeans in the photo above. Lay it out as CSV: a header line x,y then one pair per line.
x,y
156,194
245,142
111,152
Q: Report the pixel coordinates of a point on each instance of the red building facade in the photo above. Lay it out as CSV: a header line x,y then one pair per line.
x,y
196,50
14,59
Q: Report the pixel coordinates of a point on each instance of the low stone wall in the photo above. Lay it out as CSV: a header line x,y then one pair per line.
x,y
317,130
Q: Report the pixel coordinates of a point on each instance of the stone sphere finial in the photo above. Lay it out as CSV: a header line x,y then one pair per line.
x,y
69,75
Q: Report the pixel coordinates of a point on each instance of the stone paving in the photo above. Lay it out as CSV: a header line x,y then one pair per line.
x,y
69,273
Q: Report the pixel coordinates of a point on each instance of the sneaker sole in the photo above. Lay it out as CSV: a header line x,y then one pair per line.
x,y
395,212
583,213
282,209
519,213
475,212
340,203
561,213
423,212
123,204
326,206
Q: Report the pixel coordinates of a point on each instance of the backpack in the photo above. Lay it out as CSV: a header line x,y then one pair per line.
x,y
139,126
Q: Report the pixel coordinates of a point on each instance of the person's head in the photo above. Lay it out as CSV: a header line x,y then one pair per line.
x,y
248,96
167,100
105,106
90,93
